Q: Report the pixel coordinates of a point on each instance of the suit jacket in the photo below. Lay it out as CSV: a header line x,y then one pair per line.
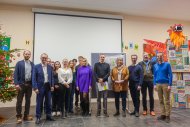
x,y
19,73
38,76
117,87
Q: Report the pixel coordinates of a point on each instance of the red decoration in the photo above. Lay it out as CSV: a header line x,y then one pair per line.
x,y
151,47
176,35
157,44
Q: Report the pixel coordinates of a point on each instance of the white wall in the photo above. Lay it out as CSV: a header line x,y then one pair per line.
x,y
18,22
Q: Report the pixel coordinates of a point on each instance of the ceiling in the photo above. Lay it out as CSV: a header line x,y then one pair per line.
x,y
170,9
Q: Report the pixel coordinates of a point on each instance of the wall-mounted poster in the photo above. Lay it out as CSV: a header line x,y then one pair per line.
x,y
152,47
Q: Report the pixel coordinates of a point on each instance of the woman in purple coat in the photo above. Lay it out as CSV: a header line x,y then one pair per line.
x,y
84,84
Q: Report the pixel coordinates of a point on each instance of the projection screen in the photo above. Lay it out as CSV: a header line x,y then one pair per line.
x,y
69,36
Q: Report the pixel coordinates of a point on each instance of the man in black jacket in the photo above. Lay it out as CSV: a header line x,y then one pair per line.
x,y
102,72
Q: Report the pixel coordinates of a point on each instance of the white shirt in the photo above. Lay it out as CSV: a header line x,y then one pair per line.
x,y
65,75
44,67
119,69
28,69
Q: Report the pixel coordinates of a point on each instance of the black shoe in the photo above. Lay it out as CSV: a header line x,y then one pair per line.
x,y
87,114
116,114
71,112
66,115
98,113
49,119
106,114
137,114
132,113
162,117
167,119
83,113
37,121
63,115
124,113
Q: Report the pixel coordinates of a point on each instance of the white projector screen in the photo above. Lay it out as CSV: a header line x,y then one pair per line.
x,y
62,36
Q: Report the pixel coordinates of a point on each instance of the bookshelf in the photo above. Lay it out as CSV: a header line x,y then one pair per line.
x,y
179,60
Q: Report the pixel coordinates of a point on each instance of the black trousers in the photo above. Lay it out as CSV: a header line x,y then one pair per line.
x,y
135,95
123,95
26,90
147,85
64,98
77,93
56,97
84,102
72,92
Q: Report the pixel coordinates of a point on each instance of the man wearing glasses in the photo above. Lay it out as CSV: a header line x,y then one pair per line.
x,y
42,82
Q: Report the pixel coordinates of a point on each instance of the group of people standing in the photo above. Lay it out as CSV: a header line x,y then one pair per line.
x,y
56,84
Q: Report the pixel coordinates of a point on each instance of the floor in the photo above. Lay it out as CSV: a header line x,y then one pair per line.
x,y
179,117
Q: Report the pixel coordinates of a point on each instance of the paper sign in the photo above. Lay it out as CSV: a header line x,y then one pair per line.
x,y
102,87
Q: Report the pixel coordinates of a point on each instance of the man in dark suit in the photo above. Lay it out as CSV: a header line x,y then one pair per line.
x,y
43,84
23,84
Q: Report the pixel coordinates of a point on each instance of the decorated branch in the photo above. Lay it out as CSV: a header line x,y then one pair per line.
x,y
7,88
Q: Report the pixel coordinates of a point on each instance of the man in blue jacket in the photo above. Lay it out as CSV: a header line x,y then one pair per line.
x,y
135,83
43,84
23,84
162,83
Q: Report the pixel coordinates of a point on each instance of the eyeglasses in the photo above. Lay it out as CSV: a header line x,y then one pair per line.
x,y
44,57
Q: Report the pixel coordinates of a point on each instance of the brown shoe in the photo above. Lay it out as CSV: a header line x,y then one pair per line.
x,y
152,113
28,118
167,119
144,112
162,117
19,120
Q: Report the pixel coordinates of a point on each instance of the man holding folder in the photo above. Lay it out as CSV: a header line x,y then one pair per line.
x,y
102,72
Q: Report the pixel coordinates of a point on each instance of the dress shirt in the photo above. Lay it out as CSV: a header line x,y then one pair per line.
x,y
44,67
28,69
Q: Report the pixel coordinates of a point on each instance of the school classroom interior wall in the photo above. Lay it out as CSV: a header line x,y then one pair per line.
x,y
18,22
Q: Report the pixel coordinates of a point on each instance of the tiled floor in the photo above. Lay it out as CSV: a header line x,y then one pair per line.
x,y
179,118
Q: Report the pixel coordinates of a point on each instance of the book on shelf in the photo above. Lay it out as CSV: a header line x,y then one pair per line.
x,y
186,67
175,76
187,89
186,76
181,96
173,61
180,83
188,100
185,53
182,105
172,54
187,82
174,89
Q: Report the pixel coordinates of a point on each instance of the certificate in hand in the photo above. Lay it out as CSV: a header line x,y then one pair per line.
x,y
102,87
